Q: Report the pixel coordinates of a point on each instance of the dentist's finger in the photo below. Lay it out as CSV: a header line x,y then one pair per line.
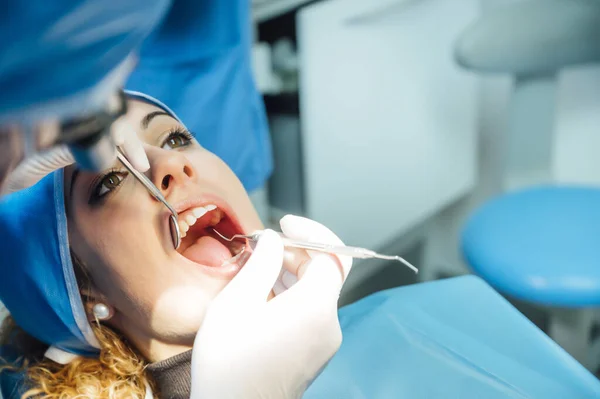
x,y
118,130
279,288
293,258
288,279
304,229
134,151
259,274
320,284
125,136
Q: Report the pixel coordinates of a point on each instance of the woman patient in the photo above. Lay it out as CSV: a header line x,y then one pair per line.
x,y
132,305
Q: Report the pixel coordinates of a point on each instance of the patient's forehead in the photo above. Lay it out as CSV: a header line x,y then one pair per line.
x,y
136,110
148,120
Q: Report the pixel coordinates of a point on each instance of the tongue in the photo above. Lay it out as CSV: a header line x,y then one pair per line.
x,y
207,251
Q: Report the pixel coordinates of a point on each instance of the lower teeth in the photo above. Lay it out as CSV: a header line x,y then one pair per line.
x,y
241,258
236,248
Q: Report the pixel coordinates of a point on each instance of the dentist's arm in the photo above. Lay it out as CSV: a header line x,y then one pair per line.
x,y
70,59
11,153
17,174
251,347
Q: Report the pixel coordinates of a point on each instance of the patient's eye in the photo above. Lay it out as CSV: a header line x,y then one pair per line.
x,y
176,139
108,183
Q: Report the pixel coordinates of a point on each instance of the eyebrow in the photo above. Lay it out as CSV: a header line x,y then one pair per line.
x,y
148,118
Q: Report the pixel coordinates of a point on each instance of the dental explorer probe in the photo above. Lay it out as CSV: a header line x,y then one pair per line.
x,y
155,192
354,252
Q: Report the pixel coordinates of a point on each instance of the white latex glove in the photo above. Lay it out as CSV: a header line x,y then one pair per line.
x,y
302,229
251,347
125,136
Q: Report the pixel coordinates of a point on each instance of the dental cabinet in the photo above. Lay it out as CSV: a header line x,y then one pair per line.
x,y
385,131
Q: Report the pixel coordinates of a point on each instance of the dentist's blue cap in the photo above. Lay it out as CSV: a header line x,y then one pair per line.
x,y
37,279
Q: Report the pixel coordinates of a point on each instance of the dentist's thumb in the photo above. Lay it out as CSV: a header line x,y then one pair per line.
x,y
322,280
303,229
256,279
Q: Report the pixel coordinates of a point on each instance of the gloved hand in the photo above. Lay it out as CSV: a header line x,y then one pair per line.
x,y
125,136
251,347
293,258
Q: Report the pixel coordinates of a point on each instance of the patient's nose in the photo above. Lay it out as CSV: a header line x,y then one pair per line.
x,y
169,169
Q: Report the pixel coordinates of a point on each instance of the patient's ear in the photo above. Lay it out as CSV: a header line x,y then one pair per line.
x,y
97,307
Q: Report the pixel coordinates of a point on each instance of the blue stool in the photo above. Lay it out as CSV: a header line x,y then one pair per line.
x,y
542,245
539,244
454,338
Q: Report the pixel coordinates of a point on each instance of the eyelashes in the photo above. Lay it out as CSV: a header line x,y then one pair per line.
x,y
177,138
106,184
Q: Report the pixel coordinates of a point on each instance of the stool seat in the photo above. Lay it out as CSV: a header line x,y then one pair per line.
x,y
532,37
541,245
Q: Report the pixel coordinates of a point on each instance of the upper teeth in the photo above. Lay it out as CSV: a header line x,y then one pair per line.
x,y
190,218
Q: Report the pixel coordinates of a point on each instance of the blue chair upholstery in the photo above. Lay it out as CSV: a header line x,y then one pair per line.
x,y
454,338
540,245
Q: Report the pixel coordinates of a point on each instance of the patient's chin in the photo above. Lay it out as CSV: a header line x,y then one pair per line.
x,y
179,311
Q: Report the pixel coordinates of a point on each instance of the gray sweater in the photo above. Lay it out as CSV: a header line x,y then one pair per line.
x,y
173,376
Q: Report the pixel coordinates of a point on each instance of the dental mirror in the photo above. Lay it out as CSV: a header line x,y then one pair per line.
x,y
155,192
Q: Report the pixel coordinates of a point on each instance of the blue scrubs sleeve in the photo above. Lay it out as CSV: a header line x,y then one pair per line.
x,y
198,62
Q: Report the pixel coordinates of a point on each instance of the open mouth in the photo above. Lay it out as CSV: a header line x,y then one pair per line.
x,y
199,242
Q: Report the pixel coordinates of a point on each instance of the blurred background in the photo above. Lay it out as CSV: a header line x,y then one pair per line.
x,y
381,135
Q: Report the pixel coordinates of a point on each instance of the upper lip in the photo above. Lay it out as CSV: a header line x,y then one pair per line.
x,y
198,201
206,199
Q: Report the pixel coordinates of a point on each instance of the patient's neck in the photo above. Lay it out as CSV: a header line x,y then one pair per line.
x,y
152,349
159,351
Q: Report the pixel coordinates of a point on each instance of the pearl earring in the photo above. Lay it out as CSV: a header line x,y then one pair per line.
x,y
101,311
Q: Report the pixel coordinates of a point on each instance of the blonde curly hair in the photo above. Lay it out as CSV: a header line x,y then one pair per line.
x,y
118,372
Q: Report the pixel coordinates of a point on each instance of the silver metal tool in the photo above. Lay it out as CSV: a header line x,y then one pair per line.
x,y
354,252
155,192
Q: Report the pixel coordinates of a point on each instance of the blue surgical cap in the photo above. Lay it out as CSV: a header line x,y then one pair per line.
x,y
37,279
